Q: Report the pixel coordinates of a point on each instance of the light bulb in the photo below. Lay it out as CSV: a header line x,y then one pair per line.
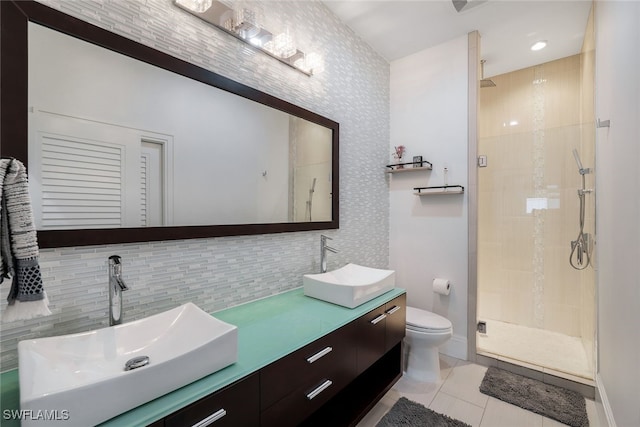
x,y
283,45
539,45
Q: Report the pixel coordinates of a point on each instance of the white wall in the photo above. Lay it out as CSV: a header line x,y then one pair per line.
x,y
618,208
428,234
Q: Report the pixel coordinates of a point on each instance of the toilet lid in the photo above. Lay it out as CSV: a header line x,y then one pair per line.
x,y
422,319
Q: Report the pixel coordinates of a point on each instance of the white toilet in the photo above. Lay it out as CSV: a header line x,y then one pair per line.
x,y
426,331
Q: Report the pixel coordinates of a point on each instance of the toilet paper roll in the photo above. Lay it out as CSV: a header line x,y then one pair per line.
x,y
441,286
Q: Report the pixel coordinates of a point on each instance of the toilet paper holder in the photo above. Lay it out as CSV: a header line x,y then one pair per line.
x,y
441,286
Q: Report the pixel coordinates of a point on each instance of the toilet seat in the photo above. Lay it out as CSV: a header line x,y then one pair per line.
x,y
425,321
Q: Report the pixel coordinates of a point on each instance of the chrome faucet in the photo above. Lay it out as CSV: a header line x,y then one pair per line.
x,y
116,287
323,252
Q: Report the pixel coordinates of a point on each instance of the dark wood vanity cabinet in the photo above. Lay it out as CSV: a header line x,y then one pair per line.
x,y
380,330
371,338
334,380
365,361
396,311
378,341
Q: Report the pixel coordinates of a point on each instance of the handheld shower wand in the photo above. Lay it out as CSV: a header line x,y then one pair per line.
x,y
581,170
310,201
580,248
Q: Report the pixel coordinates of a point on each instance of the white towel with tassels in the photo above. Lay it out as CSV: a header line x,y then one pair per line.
x,y
19,246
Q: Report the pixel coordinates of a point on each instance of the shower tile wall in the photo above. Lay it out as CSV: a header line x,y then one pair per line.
x,y
529,124
216,273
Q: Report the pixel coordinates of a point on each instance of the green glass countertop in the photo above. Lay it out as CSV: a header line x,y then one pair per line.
x,y
268,329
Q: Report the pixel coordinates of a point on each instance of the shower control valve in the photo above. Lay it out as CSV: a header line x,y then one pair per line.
x,y
482,327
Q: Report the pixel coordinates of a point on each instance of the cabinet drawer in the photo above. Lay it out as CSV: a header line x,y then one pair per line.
x,y
308,365
235,405
298,405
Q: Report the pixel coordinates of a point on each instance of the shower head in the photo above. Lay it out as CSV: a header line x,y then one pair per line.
x,y
485,82
581,169
577,157
464,5
313,185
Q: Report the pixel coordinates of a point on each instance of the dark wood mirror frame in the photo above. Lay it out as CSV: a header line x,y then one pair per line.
x,y
14,17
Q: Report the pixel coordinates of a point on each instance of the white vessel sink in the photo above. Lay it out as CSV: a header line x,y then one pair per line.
x,y
82,376
349,286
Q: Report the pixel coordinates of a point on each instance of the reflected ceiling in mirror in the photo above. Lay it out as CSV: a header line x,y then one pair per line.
x,y
161,149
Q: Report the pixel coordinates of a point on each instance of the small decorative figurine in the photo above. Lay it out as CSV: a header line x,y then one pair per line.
x,y
399,152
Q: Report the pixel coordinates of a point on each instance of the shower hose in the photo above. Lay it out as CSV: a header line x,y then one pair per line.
x,y
580,258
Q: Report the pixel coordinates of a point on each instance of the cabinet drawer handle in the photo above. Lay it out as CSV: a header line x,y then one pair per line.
x,y
322,387
393,309
211,419
379,319
319,354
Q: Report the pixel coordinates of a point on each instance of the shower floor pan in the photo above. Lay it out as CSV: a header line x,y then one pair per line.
x,y
546,351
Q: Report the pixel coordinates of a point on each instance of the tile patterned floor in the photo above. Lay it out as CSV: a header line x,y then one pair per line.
x,y
457,395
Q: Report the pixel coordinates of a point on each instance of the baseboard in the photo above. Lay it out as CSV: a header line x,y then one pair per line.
x,y
603,400
455,347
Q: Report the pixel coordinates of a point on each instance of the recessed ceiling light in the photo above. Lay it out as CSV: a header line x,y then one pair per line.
x,y
539,45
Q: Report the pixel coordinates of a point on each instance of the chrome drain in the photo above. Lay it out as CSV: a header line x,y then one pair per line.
x,y
136,362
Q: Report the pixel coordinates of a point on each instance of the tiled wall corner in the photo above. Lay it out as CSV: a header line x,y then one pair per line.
x,y
216,273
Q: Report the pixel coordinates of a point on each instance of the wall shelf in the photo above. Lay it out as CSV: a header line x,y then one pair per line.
x,y
444,189
414,166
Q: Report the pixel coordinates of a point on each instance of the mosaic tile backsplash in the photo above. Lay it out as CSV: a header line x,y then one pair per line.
x,y
217,273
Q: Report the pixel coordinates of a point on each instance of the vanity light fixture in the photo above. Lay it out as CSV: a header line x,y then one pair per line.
x,y
196,5
283,45
245,24
262,38
540,44
311,63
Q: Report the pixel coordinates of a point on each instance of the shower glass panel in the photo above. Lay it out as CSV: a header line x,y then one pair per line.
x,y
539,311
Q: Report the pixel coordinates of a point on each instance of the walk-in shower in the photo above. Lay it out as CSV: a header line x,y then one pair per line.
x,y
536,310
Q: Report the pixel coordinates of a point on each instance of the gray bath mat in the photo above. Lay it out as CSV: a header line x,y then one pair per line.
x,y
548,400
406,413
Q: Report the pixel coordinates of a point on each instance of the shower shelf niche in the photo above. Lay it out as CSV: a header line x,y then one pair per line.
x,y
414,166
443,189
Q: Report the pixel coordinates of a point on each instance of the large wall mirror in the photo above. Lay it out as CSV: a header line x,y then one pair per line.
x,y
124,143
